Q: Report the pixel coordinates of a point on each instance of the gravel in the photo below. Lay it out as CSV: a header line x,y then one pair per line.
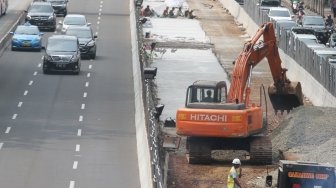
x,y
308,132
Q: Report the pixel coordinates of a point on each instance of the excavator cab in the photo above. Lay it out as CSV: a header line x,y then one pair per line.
x,y
203,92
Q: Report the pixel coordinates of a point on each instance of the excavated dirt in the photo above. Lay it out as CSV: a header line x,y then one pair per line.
x,y
307,133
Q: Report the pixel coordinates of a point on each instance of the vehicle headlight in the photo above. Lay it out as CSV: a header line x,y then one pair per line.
x,y
28,17
51,17
91,43
15,40
48,58
74,58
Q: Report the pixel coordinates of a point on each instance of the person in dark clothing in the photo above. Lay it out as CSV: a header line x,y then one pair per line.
x,y
171,13
329,21
165,12
147,12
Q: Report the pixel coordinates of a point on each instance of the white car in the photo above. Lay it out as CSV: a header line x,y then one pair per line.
x,y
73,20
280,13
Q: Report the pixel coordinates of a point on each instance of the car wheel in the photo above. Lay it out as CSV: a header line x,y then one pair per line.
x,y
45,71
93,56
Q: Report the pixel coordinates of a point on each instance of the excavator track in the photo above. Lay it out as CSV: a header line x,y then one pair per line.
x,y
199,150
260,150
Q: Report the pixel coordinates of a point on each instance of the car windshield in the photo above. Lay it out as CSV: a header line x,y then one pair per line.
x,y
41,8
279,13
313,21
62,45
270,3
80,33
56,2
303,31
287,25
24,30
75,21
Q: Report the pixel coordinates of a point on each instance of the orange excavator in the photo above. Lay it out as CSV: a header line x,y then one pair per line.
x,y
214,119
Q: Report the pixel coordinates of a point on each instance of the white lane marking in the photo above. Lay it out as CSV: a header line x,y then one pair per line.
x,y
88,75
85,95
77,148
14,116
97,33
80,118
20,104
1,144
31,82
72,184
101,2
7,130
39,65
98,17
25,92
90,66
83,106
35,73
75,165
86,84
100,10
79,132
99,13
98,22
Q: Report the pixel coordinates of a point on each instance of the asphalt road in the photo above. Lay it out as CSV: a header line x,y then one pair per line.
x,y
63,130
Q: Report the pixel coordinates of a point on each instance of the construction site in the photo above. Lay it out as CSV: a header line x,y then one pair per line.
x,y
299,128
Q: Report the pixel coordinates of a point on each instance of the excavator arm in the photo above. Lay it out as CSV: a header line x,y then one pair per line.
x,y
283,93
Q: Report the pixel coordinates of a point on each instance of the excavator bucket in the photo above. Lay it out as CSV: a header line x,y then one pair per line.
x,y
287,97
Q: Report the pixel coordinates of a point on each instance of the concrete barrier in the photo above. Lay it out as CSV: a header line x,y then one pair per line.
x,y
7,37
311,88
145,172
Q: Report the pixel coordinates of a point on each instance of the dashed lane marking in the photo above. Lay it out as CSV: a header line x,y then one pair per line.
x,y
39,65
84,94
14,116
7,130
25,93
83,107
20,104
30,82
77,148
90,66
88,75
79,132
80,118
72,184
1,144
86,84
35,73
75,165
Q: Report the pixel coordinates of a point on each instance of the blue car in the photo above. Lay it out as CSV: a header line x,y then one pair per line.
x,y
27,37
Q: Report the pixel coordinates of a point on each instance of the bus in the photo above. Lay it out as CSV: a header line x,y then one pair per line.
x,y
3,7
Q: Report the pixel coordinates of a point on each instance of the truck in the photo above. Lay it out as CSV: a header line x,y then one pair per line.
x,y
300,174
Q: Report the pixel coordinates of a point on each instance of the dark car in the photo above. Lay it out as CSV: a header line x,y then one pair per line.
x,y
86,38
62,54
42,15
60,6
317,23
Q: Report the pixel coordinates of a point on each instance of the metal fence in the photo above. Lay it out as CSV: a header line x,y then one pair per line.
x,y
315,64
152,126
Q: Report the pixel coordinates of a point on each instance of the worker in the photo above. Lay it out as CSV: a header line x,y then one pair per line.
x,y
234,174
329,21
208,98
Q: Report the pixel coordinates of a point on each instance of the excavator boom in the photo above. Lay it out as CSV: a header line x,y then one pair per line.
x,y
283,93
